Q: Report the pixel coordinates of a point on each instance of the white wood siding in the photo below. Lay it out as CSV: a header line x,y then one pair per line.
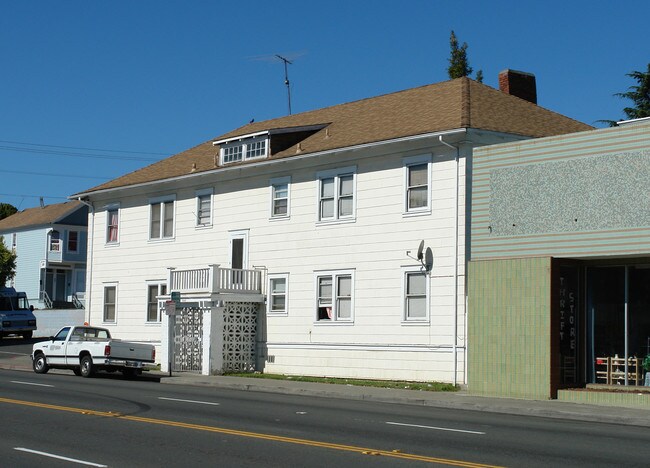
x,y
378,344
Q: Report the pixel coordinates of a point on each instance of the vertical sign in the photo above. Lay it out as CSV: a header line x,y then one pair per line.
x,y
568,309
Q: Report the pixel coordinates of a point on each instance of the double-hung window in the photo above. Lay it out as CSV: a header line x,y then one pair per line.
x,y
153,291
335,296
336,194
204,207
73,241
280,197
278,294
416,296
112,223
417,181
161,220
110,303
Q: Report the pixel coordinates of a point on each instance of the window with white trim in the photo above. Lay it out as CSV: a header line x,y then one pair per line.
x,y
153,311
280,197
417,182
14,242
241,150
110,303
55,241
336,191
161,219
416,296
204,207
334,296
112,223
278,294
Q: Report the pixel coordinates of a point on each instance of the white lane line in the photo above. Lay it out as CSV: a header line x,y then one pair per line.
x,y
189,401
31,383
58,457
435,428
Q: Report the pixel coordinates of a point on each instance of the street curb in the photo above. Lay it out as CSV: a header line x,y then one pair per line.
x,y
553,409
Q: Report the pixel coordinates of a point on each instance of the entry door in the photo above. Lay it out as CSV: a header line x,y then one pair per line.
x,y
60,281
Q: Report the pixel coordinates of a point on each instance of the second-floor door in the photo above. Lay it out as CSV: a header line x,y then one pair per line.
x,y
239,249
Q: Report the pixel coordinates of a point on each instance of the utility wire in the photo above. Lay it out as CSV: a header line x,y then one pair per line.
x,y
31,196
56,175
76,155
82,148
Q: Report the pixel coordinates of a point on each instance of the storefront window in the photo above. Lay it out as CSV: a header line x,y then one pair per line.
x,y
618,315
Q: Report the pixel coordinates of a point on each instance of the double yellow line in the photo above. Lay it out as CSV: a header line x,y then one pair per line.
x,y
254,435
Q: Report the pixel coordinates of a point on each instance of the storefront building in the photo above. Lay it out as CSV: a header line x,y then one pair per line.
x,y
559,271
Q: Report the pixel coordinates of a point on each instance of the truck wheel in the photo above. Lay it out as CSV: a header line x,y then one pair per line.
x,y
86,366
39,364
28,335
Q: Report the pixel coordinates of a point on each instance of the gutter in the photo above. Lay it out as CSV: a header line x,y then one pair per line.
x,y
267,162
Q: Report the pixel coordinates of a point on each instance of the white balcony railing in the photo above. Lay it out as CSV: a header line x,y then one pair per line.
x,y
217,280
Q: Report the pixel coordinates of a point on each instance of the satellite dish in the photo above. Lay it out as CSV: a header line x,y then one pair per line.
x,y
420,248
428,260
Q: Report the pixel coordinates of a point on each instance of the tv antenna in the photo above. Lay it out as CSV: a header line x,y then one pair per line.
x,y
286,78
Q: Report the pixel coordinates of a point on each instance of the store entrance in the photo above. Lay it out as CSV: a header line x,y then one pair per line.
x,y
618,323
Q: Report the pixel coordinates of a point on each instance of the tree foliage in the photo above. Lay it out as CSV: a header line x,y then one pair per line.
x,y
7,210
639,94
458,61
7,263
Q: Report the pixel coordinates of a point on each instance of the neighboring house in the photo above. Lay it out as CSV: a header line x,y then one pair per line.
x,y
50,244
293,242
559,277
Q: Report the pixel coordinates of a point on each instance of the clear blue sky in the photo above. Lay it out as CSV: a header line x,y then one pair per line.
x,y
144,79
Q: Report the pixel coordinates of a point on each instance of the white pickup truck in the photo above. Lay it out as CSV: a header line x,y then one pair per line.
x,y
89,349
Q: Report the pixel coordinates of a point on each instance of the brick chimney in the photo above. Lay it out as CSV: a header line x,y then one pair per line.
x,y
518,83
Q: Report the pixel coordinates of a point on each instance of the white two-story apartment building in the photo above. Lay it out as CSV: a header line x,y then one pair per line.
x,y
331,242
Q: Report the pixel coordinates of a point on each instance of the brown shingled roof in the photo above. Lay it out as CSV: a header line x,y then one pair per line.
x,y
459,103
49,214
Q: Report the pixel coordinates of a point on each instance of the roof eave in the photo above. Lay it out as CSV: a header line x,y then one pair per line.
x,y
85,195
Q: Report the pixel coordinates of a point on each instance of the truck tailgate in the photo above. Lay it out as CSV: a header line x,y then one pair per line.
x,y
131,351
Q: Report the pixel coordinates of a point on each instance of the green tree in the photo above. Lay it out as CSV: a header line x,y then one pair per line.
x,y
639,94
7,210
458,61
7,263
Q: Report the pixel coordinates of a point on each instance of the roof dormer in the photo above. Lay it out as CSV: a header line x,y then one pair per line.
x,y
243,148
264,144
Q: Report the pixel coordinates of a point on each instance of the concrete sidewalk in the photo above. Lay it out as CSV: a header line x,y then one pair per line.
x,y
451,400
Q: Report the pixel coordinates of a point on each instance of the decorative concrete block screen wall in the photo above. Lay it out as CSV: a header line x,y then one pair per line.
x,y
509,328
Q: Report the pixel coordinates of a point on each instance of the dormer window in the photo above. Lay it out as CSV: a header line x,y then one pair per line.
x,y
244,149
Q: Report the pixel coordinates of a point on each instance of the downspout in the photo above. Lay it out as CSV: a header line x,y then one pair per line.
x,y
456,212
89,258
42,286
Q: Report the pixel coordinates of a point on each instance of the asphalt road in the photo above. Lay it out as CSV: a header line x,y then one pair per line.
x,y
108,421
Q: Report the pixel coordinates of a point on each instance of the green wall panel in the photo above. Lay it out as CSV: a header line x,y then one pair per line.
x,y
509,327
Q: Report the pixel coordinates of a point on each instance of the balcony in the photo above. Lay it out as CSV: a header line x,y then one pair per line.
x,y
216,280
